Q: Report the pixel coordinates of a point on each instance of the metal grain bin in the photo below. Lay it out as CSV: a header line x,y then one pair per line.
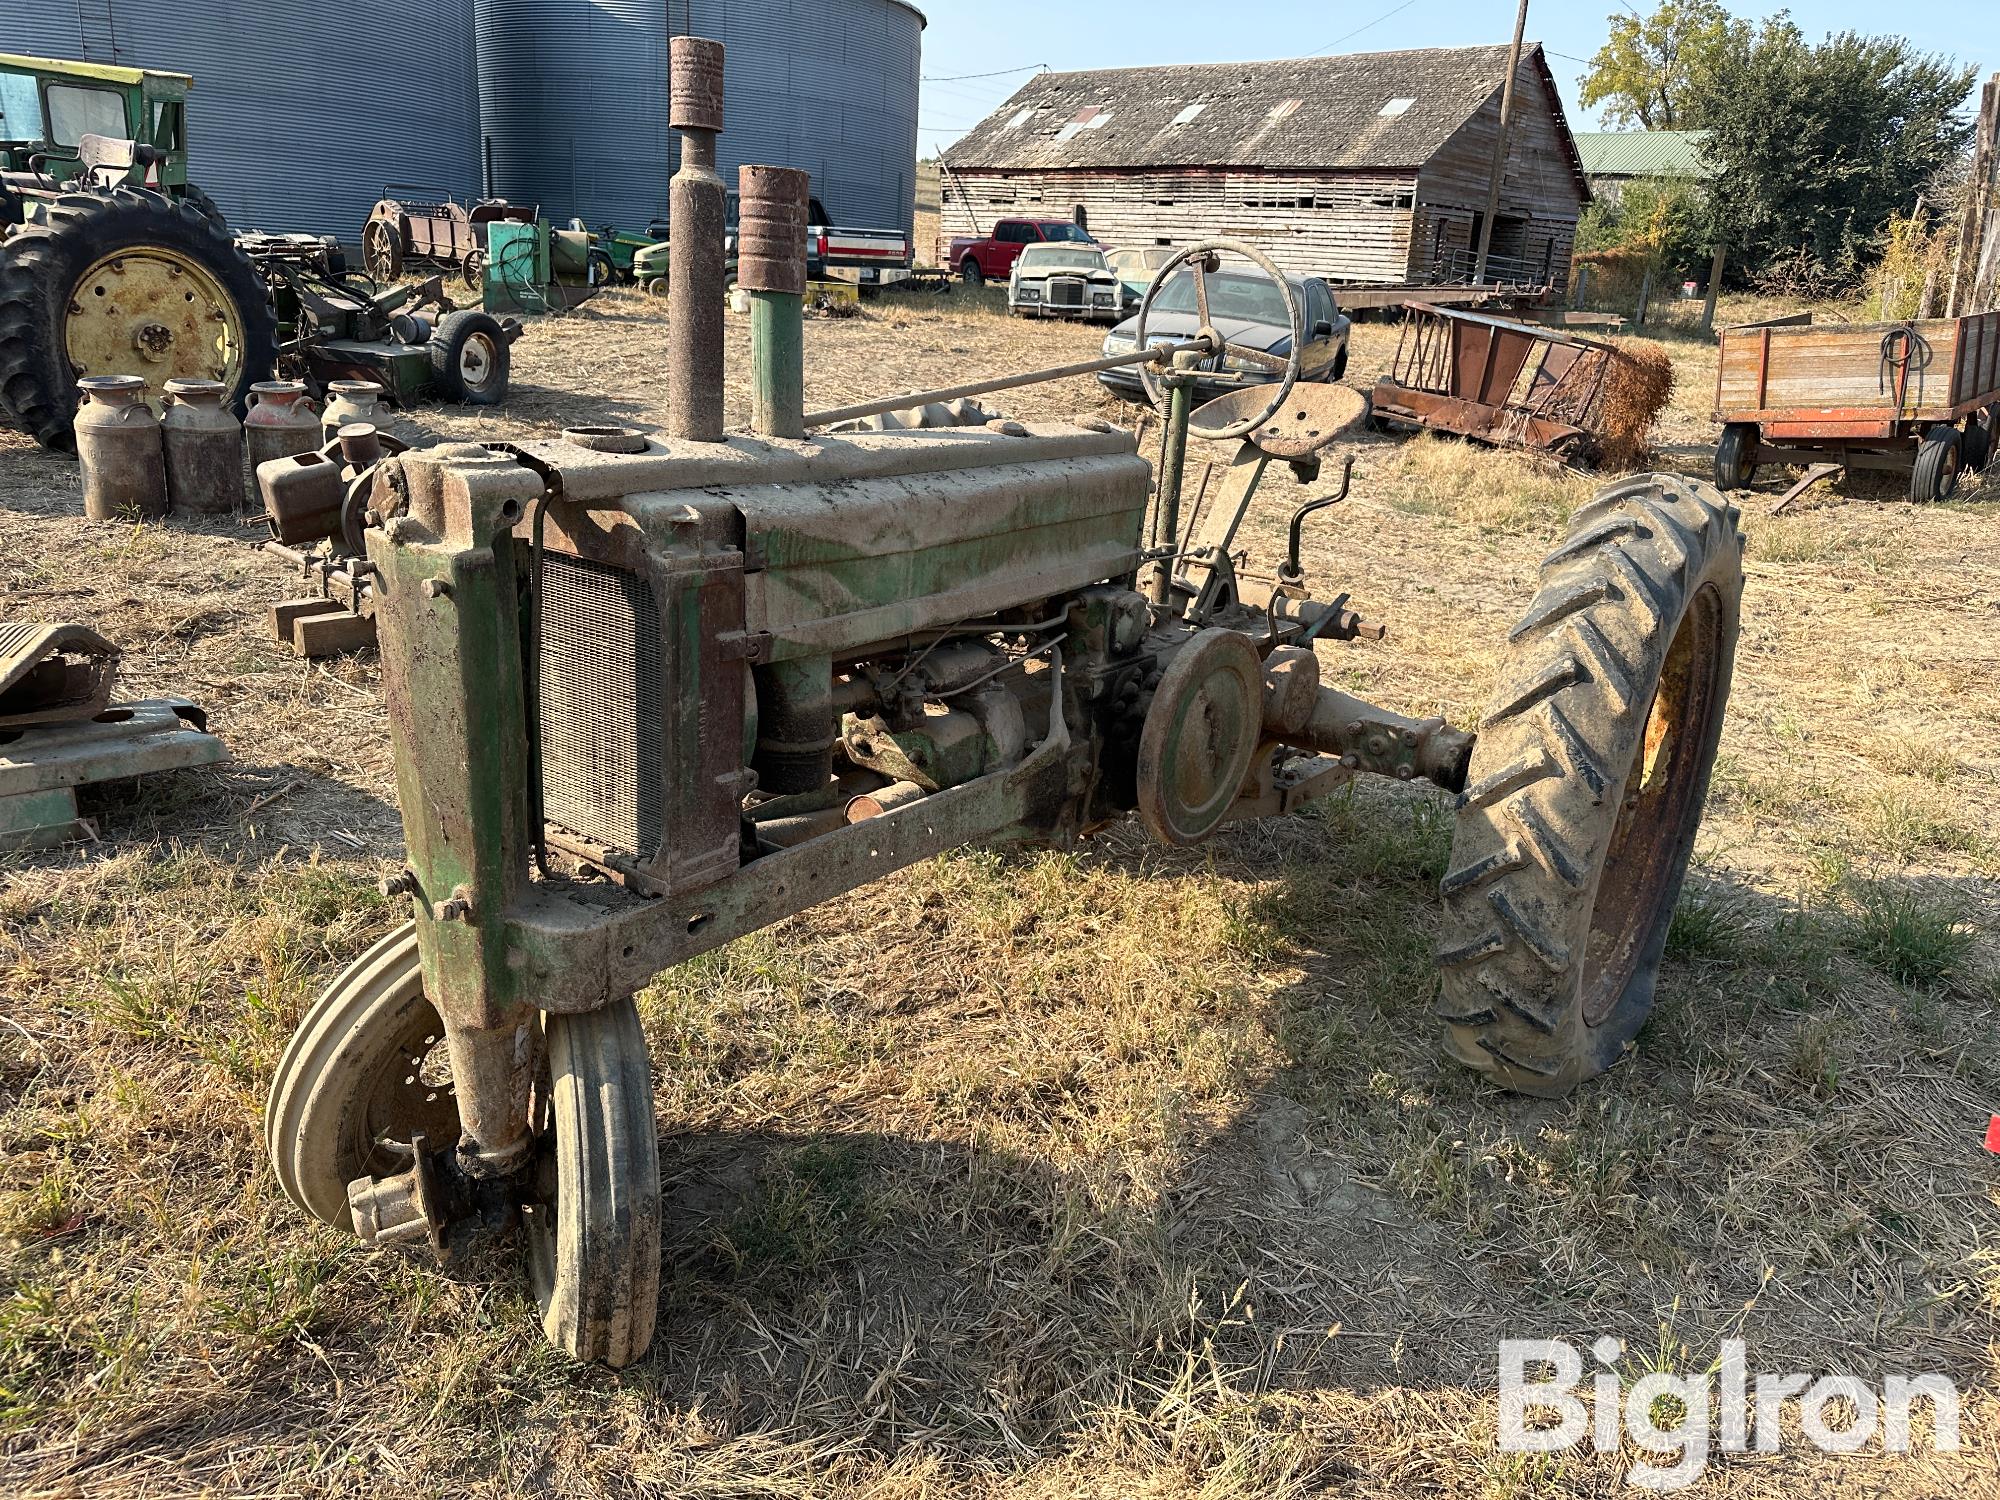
x,y
297,118
573,101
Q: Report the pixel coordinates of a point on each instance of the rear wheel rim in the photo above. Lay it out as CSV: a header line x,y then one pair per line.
x,y
157,313
1662,793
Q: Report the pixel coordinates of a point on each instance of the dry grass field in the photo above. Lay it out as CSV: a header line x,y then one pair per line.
x,y
1109,1172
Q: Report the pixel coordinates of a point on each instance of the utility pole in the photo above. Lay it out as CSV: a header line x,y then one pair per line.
x,y
1500,146
1972,232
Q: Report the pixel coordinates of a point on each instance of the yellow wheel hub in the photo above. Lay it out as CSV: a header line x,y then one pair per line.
x,y
155,313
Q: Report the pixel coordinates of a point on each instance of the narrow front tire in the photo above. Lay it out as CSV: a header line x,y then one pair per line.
x,y
593,1228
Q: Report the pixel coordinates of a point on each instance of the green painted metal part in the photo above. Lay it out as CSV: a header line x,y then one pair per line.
x,y
40,766
1167,507
448,611
777,364
155,115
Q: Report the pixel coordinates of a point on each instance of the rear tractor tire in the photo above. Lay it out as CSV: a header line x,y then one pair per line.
x,y
1586,786
125,282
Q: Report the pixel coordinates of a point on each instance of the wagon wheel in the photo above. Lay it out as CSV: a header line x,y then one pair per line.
x,y
366,1073
382,250
1200,259
1976,449
1940,458
1586,786
474,270
1734,468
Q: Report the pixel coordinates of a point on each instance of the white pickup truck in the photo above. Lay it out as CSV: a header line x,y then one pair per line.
x,y
868,257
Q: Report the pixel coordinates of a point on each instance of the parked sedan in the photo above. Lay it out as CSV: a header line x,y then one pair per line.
x,y
1135,267
1066,281
1247,310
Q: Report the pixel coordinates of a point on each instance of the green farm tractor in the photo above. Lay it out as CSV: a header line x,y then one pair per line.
x,y
111,261
650,692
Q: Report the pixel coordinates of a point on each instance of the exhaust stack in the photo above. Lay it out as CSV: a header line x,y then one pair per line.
x,y
695,259
771,267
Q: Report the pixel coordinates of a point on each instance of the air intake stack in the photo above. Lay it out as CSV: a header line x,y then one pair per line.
x,y
695,263
771,267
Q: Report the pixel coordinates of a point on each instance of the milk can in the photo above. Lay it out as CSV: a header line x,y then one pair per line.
x,y
118,447
349,401
281,422
204,444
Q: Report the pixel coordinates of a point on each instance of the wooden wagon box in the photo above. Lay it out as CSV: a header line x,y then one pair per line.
x,y
1921,395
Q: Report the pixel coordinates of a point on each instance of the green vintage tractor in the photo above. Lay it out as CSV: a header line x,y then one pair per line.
x,y
111,261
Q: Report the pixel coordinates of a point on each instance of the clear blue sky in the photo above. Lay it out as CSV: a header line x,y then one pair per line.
x,y
981,36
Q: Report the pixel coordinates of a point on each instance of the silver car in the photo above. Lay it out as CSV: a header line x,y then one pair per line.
x,y
1067,281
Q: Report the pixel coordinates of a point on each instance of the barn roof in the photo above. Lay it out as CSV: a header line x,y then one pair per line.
x,y
1362,110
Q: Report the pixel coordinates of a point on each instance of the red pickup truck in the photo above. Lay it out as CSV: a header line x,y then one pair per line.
x,y
995,254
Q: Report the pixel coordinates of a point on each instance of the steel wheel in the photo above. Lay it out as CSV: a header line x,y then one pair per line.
x,y
380,252
367,1065
593,1219
160,307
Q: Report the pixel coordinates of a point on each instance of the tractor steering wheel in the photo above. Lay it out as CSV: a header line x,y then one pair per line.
x,y
1203,257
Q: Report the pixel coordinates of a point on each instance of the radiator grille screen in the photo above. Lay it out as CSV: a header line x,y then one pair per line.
x,y
1065,291
600,704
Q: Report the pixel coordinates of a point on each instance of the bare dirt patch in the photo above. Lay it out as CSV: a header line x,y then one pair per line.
x,y
1109,1172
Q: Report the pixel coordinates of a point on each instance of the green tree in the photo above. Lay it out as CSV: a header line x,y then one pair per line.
x,y
1646,67
1818,145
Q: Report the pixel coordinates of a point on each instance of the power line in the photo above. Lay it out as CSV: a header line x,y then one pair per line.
x,y
1359,29
998,73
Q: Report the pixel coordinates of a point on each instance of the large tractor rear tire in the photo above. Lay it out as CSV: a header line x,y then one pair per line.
x,y
124,282
210,210
1586,786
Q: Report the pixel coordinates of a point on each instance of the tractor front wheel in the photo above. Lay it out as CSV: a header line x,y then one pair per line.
x,y
593,1219
368,1071
1586,786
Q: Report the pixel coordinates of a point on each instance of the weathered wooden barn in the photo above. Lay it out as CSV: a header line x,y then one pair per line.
x,y
1368,168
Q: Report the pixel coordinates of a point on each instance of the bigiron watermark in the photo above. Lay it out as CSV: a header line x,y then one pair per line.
x,y
1682,1421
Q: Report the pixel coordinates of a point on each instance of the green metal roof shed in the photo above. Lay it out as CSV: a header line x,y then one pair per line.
x,y
1644,153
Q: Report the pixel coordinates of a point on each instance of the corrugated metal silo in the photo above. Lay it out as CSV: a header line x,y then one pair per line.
x,y
573,100
301,110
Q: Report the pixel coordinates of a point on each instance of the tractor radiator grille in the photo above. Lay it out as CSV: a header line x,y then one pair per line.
x,y
601,713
